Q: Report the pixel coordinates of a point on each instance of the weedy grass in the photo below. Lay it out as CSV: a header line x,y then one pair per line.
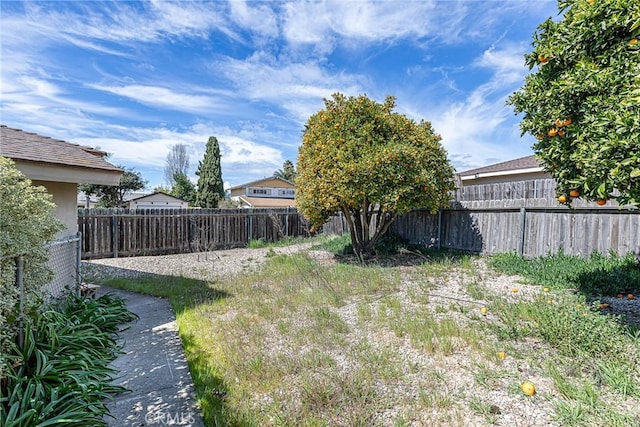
x,y
300,343
596,275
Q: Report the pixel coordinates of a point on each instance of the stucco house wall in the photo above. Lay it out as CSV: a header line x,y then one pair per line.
x,y
64,196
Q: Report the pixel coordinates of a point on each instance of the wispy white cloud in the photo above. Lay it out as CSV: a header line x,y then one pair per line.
x,y
255,16
161,97
297,87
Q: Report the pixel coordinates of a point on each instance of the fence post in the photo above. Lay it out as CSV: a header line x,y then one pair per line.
x,y
286,223
439,244
78,261
20,285
523,216
115,234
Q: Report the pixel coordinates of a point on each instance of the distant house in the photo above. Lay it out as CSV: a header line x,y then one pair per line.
x,y
59,166
524,168
519,182
87,201
155,200
272,192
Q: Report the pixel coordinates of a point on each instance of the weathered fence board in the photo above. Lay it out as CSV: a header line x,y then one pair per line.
x,y
124,232
530,231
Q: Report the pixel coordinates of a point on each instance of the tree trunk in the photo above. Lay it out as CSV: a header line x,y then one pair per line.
x,y
359,221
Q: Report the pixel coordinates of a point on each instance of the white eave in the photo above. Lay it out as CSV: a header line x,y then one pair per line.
x,y
501,173
59,173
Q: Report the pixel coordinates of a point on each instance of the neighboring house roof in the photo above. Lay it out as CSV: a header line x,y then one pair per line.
x,y
33,151
133,196
268,202
511,167
253,183
144,196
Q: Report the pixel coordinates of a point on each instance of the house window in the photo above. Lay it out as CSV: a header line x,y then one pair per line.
x,y
260,191
286,192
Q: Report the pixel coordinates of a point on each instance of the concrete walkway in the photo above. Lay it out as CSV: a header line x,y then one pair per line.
x,y
153,367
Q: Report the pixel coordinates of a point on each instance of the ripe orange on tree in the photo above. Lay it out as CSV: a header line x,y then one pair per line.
x,y
542,59
552,132
567,122
559,123
560,132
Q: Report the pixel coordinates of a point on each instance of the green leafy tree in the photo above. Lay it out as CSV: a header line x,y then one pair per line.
x,y
287,172
113,195
183,188
26,224
582,102
210,185
361,158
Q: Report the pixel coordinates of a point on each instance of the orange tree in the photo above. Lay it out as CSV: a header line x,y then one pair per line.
x,y
361,158
582,103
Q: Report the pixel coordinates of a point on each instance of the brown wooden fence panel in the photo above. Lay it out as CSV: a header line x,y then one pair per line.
x,y
530,231
124,232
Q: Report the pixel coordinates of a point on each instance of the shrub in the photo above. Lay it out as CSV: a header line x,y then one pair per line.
x,y
26,224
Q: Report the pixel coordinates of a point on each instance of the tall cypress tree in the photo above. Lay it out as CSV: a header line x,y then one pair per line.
x,y
210,186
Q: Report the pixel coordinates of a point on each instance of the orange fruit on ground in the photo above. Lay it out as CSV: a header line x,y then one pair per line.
x,y
567,122
601,202
552,132
501,355
603,306
484,310
562,199
619,296
528,388
574,193
514,290
630,296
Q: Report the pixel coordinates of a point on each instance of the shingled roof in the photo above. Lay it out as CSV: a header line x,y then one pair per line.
x,y
27,146
528,162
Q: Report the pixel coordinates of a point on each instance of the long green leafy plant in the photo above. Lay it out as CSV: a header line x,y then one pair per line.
x,y
61,374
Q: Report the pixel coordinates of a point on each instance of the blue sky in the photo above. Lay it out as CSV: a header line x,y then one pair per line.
x,y
135,78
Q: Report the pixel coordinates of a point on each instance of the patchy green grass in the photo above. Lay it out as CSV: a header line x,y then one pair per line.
x,y
303,343
595,275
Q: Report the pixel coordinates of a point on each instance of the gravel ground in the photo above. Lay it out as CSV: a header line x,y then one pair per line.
x,y
199,265
457,369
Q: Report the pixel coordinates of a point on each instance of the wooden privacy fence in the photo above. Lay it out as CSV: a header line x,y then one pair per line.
x,y
132,232
529,231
